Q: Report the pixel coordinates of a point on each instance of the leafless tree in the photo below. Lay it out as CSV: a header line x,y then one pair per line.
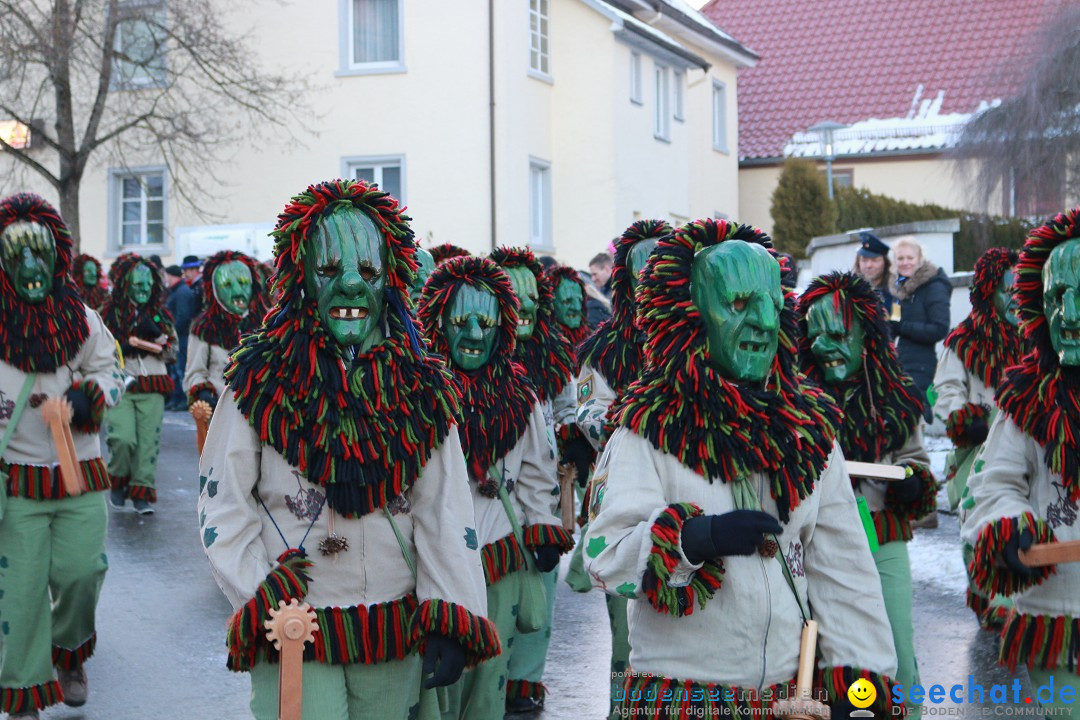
x,y
1029,144
135,81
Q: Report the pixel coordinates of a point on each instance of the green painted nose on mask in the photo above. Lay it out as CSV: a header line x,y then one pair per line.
x,y
28,255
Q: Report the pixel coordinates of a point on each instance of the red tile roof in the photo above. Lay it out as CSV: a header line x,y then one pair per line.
x,y
851,60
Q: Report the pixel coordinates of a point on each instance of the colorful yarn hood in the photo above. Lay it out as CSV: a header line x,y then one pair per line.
x,y
96,296
1040,396
122,316
361,427
555,275
445,251
40,337
498,397
547,355
985,343
881,404
217,326
719,429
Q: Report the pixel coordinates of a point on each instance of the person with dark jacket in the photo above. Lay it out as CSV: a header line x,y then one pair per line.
x,y
922,291
181,303
872,265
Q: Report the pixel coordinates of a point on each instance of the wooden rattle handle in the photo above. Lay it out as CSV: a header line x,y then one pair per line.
x,y
56,411
201,411
146,345
875,471
1051,553
290,627
567,474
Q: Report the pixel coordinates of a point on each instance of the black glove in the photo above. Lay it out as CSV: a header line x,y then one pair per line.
x,y
80,406
547,557
841,709
1011,554
579,452
444,660
907,490
977,431
209,397
894,329
739,532
148,329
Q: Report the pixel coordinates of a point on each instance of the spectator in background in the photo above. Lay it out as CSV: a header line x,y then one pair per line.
x,y
872,263
181,303
598,292
922,291
192,268
600,268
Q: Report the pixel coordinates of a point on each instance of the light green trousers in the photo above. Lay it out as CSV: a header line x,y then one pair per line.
x,y
530,651
133,435
894,567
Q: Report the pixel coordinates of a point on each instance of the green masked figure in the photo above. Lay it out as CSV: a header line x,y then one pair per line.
x,y
140,283
344,270
736,287
524,283
425,263
89,274
1061,293
838,350
638,257
28,254
232,287
1004,302
471,327
568,304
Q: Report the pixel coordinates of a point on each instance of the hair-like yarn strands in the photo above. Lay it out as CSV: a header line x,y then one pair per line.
x,y
445,251
40,337
363,427
497,397
122,316
613,350
555,275
217,326
881,404
984,342
95,295
547,355
722,430
1041,397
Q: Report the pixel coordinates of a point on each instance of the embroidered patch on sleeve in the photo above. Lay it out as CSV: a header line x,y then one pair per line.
x,y
599,485
585,389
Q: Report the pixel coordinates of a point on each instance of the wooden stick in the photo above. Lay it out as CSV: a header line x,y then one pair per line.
x,y
290,627
56,411
1044,554
567,475
804,707
875,471
145,345
201,411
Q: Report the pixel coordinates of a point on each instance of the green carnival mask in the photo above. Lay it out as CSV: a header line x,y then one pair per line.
x,y
140,283
232,287
1004,302
637,258
568,303
89,274
837,350
1061,301
425,266
28,254
345,271
471,324
524,283
736,288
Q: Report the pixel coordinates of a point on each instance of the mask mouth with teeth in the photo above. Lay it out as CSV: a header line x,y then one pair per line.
x,y
836,339
28,256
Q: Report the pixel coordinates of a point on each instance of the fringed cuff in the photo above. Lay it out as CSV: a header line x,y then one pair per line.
x,y
526,689
922,505
836,680
476,634
287,581
66,659
97,406
994,578
500,558
34,697
666,555
152,385
193,393
958,422
142,492
539,535
1040,641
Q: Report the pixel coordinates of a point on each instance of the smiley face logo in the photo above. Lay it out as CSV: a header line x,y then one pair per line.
x,y
862,693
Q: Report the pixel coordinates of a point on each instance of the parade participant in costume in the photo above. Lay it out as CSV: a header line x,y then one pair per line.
x,y
548,359
136,310
1026,480
844,347
443,252
52,543
333,473
234,306
972,366
721,505
88,277
425,264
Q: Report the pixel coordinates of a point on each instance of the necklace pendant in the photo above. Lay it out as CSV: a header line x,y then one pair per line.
x,y
333,544
768,548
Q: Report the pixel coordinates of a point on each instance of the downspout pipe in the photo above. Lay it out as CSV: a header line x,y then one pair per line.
x,y
491,115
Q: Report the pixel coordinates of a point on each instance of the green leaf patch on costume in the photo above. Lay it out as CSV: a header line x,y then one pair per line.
x,y
627,590
209,536
596,546
471,541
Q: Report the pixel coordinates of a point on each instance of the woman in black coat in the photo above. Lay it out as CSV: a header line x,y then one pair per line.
x,y
922,291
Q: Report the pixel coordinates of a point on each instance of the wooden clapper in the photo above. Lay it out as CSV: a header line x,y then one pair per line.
x,y
804,706
291,626
875,471
1051,553
56,411
201,411
567,476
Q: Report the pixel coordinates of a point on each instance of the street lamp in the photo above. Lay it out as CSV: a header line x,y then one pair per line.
x,y
825,132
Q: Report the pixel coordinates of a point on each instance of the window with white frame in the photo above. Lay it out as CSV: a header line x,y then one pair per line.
x,y
662,104
139,45
719,117
635,77
540,204
138,209
539,60
678,87
386,172
375,34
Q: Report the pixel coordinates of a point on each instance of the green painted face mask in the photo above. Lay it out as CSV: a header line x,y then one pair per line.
x,y
524,283
345,271
426,265
1061,301
89,274
638,257
837,350
1004,303
232,287
471,323
736,287
28,254
140,283
568,303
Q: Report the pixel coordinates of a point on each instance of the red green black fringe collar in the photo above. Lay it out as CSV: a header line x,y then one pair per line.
x,y
614,350
555,275
881,405
446,251
122,316
719,429
217,326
